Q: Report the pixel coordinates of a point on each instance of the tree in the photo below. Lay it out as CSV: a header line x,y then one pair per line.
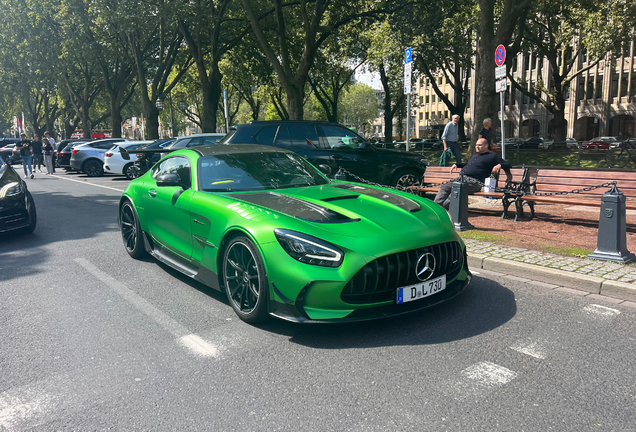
x,y
298,32
359,106
506,30
563,32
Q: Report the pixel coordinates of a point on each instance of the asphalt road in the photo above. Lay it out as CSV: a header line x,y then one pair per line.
x,y
93,340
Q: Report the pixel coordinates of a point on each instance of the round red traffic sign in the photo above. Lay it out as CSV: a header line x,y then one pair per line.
x,y
500,55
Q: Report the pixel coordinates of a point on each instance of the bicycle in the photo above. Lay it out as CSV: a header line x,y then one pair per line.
x,y
620,156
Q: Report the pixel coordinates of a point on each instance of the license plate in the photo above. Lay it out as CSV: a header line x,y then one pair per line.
x,y
421,290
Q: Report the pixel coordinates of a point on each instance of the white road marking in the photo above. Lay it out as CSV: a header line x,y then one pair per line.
x,y
489,374
198,345
533,349
184,337
601,310
89,183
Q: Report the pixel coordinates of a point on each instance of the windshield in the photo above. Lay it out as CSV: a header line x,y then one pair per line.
x,y
256,171
227,137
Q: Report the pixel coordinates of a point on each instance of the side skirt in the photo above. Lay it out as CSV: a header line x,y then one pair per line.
x,y
200,274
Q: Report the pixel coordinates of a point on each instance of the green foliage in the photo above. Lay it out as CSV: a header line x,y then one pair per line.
x,y
359,106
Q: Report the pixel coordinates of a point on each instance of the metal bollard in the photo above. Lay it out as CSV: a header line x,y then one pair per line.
x,y
611,244
458,207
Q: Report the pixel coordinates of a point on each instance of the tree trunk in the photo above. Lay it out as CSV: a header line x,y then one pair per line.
x,y
295,101
152,123
211,98
115,116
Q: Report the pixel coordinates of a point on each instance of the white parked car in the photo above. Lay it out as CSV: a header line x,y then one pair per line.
x,y
115,164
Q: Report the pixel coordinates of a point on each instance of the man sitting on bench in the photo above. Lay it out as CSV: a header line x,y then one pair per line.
x,y
480,166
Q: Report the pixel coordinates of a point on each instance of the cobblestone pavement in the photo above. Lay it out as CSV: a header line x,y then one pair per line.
x,y
602,269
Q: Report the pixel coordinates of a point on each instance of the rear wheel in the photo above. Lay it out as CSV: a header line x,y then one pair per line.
x,y
93,168
617,158
131,171
245,280
131,231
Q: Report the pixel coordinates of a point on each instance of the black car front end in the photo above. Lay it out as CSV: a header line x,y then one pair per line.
x,y
17,209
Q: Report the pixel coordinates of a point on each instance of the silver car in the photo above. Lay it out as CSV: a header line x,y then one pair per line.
x,y
196,140
89,157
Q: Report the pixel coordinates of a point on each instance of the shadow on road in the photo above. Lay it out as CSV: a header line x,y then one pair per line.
x,y
484,306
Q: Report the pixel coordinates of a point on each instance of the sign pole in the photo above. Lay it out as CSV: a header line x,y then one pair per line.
x,y
408,59
503,140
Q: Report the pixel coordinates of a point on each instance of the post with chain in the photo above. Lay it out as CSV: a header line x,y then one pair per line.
x,y
611,244
458,207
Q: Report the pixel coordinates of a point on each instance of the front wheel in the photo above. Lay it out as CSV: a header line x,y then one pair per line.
x,y
33,218
131,231
406,178
617,158
245,280
131,171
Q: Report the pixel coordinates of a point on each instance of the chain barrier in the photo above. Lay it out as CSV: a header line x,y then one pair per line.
x,y
513,191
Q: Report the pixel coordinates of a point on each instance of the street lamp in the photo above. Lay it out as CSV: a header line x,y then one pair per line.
x,y
159,105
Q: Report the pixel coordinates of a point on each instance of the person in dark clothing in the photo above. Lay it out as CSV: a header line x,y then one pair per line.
x,y
486,132
481,165
25,154
36,150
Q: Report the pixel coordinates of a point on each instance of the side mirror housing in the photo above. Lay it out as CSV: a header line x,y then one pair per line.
x,y
167,180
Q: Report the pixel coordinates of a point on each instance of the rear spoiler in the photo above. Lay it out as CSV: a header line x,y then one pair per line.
x,y
126,156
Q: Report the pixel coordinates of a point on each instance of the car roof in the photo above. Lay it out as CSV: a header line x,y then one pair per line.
x,y
200,135
220,149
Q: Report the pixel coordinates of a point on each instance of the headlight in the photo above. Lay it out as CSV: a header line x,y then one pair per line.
x,y
309,250
13,188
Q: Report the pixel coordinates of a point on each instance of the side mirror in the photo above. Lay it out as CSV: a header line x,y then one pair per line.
x,y
326,169
169,180
124,153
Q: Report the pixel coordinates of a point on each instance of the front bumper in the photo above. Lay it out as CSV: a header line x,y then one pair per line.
x,y
14,213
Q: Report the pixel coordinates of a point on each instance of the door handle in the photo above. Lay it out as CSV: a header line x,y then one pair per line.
x,y
152,193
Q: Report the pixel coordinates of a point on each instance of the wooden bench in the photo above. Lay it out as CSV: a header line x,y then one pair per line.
x,y
565,180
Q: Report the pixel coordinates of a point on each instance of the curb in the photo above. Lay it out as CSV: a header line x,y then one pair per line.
x,y
591,284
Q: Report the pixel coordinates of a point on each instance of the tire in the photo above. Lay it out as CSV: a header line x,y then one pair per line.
x,y
406,177
617,158
131,231
33,217
245,280
93,168
131,171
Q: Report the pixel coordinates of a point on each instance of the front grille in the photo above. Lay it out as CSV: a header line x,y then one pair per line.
x,y
379,280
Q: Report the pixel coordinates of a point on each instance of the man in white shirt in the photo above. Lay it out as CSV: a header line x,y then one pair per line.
x,y
451,136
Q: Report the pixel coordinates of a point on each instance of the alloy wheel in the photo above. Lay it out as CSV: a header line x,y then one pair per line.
x,y
242,279
129,228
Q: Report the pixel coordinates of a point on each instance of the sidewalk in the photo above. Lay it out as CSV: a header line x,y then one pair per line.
x,y
519,248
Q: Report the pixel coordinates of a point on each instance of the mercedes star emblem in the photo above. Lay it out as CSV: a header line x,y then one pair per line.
x,y
425,266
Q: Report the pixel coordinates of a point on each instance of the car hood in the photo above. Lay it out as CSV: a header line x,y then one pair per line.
x,y
347,209
8,175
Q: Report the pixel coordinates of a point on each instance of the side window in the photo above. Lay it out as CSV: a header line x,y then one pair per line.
x,y
194,142
341,138
282,137
211,140
266,135
175,165
104,146
182,143
299,134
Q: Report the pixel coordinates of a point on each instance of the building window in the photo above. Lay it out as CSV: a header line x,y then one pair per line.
x,y
599,86
439,115
440,80
421,115
566,92
446,114
526,62
421,100
433,98
428,82
624,84
446,96
426,98
590,88
633,92
534,61
433,115
614,84
514,64
426,115
581,93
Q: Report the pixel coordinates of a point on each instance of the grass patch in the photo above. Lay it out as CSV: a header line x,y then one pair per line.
x,y
516,242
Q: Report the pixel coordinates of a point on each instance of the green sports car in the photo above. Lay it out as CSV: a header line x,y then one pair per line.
x,y
282,239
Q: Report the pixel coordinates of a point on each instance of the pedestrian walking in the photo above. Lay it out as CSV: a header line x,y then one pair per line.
x,y
481,165
450,137
36,152
486,133
48,156
25,154
47,136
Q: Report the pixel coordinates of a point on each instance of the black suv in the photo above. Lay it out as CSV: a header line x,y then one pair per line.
x,y
335,146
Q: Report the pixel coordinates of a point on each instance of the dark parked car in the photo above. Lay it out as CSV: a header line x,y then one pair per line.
x,y
65,150
532,143
17,209
333,146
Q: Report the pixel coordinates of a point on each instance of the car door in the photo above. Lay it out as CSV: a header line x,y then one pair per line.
x,y
342,148
167,208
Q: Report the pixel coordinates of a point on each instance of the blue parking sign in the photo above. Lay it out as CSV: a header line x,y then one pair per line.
x,y
407,55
